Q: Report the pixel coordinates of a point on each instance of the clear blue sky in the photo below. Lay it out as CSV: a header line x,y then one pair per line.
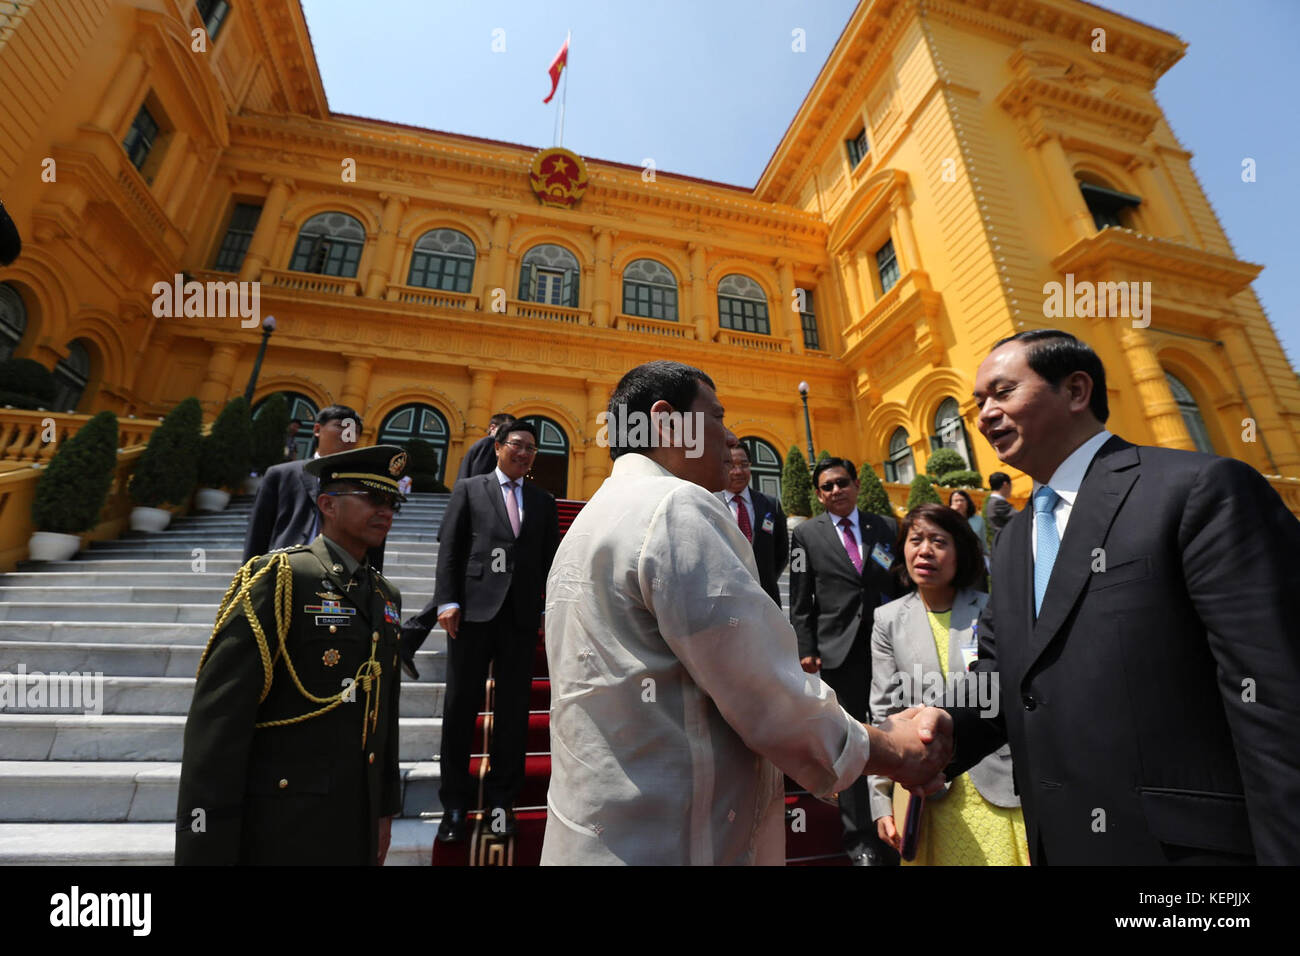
x,y
708,89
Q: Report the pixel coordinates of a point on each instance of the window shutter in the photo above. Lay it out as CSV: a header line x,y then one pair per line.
x,y
525,282
571,288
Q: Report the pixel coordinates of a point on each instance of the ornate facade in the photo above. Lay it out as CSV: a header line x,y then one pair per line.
x,y
952,159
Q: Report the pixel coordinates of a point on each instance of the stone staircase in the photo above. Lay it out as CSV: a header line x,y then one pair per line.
x,y
100,787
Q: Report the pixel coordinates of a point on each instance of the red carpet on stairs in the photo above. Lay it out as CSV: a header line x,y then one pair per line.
x,y
812,827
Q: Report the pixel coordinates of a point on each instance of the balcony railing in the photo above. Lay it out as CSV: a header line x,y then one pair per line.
x,y
751,340
548,313
433,298
637,323
24,435
308,282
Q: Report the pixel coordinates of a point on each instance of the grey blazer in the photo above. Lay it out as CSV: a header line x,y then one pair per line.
x,y
902,650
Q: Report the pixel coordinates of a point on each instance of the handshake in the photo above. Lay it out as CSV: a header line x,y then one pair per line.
x,y
912,747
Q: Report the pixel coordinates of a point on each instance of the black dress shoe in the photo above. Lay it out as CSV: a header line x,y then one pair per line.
x,y
454,827
408,668
500,821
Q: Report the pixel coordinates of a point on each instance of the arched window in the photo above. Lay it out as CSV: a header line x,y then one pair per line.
x,y
1109,207
442,259
330,244
742,306
900,466
764,466
549,274
13,320
649,290
551,466
1191,413
71,374
950,430
417,421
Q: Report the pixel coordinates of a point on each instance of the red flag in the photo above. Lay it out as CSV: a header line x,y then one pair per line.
x,y
557,67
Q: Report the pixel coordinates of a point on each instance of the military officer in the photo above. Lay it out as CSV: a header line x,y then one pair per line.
x,y
291,745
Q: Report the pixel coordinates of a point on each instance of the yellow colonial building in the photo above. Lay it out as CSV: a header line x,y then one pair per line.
x,y
952,159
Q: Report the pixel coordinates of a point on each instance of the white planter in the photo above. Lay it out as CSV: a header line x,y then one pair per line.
x,y
150,519
211,499
52,546
250,485
793,521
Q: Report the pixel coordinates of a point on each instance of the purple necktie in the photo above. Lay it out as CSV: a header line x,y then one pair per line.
x,y
512,508
851,544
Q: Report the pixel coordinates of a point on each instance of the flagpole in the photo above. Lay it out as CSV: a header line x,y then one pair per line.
x,y
564,95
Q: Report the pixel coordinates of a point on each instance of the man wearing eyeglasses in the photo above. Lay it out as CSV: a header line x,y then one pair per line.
x,y
839,574
495,547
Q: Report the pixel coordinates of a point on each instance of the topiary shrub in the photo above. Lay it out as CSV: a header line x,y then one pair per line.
x,y
942,461
224,451
71,491
814,503
922,493
963,478
872,497
269,429
796,484
27,384
169,467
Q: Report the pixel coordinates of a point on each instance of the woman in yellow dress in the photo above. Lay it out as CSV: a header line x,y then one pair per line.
x,y
921,644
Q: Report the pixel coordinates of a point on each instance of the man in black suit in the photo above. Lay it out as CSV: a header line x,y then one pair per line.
x,y
495,549
284,511
997,509
1142,630
839,574
481,458
761,520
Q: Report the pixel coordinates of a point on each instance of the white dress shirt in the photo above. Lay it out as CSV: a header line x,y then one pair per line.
x,y
1065,482
502,479
677,699
734,505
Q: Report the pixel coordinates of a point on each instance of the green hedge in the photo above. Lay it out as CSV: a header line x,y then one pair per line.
x,y
72,489
814,503
922,492
796,484
872,497
963,478
224,452
942,461
270,428
169,467
27,384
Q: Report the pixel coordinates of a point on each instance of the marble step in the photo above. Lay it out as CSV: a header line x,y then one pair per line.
x,y
135,633
223,567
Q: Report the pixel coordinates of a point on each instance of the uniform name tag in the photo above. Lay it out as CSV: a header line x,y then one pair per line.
x,y
323,621
881,554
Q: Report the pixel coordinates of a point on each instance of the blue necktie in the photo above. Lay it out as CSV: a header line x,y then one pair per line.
x,y
1049,542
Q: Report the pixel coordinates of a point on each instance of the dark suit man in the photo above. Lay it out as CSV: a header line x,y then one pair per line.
x,y
839,575
291,744
1143,628
761,520
482,455
997,509
493,557
284,511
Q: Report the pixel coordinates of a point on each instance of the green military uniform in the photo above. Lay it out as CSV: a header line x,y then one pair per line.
x,y
291,746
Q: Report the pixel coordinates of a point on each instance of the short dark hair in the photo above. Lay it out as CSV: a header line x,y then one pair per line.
x,y
998,479
826,463
510,427
1054,354
970,561
671,382
500,418
338,413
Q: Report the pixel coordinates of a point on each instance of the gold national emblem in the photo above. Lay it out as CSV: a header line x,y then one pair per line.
x,y
398,464
558,177
330,657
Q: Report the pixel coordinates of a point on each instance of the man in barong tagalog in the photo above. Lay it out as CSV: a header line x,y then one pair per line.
x,y
677,699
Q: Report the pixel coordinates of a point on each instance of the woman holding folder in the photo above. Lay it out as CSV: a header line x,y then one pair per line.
x,y
921,644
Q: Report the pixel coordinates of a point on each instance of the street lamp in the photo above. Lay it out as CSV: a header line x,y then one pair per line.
x,y
268,326
807,423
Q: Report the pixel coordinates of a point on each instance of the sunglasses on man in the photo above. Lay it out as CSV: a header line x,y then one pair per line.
x,y
834,483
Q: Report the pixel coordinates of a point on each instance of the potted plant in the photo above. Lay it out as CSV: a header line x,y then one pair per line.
x,y
270,425
72,490
223,456
796,487
922,492
168,468
872,497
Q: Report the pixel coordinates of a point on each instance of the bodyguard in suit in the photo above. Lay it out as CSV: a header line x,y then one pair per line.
x,y
291,744
997,509
496,544
839,574
1143,626
482,455
761,520
284,511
